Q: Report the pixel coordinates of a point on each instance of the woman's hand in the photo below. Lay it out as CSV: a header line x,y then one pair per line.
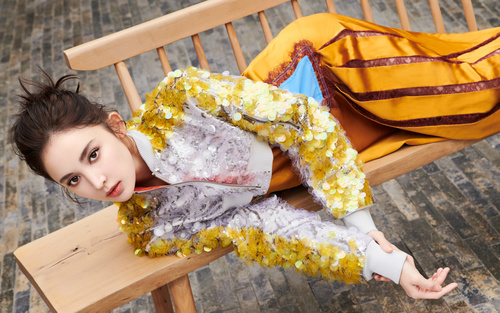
x,y
418,287
413,283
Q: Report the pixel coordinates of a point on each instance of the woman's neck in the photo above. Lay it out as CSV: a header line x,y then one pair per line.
x,y
143,175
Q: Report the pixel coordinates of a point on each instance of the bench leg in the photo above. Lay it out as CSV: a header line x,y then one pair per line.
x,y
161,299
182,297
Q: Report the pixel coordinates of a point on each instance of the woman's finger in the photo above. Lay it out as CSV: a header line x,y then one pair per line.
x,y
378,277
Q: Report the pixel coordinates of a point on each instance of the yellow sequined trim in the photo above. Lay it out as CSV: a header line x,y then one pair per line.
x,y
251,244
277,116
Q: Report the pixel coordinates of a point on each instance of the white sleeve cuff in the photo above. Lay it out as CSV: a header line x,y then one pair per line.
x,y
386,264
361,220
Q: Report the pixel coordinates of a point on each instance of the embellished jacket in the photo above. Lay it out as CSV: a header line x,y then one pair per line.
x,y
307,131
195,132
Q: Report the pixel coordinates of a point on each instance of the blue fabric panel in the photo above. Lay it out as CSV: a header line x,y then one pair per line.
x,y
303,81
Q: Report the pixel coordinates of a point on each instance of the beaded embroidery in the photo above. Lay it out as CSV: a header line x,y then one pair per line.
x,y
269,233
296,123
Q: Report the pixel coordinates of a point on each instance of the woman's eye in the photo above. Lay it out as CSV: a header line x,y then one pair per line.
x,y
93,155
74,180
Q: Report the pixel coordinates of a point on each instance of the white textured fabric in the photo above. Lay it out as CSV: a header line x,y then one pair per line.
x,y
207,149
275,216
361,219
145,148
386,264
183,210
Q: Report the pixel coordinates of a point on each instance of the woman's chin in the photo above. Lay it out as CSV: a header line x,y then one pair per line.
x,y
124,196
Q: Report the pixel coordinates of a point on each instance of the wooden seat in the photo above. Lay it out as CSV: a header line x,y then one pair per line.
x,y
88,266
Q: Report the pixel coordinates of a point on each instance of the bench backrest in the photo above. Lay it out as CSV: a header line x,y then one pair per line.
x,y
116,48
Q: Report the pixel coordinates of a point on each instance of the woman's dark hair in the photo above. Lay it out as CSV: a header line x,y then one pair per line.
x,y
47,110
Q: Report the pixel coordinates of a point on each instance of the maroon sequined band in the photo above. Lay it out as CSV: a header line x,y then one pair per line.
x,y
357,33
371,33
487,41
408,60
423,91
394,61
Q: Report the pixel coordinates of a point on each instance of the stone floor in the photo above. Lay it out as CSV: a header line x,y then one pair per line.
x,y
445,214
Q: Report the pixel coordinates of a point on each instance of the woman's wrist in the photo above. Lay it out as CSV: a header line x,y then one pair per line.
x,y
389,265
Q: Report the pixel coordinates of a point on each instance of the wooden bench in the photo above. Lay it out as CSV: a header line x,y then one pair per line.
x,y
88,266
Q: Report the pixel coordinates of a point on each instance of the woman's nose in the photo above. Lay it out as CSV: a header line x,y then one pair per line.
x,y
98,181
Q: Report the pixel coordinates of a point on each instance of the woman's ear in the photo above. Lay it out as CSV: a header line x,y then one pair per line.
x,y
116,123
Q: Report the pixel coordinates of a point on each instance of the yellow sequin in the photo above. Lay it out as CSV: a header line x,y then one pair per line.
x,y
322,144
280,118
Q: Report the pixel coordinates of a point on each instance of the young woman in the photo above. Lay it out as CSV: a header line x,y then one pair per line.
x,y
190,169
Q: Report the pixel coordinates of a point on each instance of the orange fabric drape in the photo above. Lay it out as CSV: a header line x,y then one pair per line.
x,y
389,87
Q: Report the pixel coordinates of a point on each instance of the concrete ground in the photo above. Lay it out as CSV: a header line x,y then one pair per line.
x,y
446,213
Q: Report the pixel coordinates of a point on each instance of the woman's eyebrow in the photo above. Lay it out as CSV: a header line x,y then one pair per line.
x,y
64,178
84,152
82,156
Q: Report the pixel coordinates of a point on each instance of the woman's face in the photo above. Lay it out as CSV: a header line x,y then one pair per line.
x,y
91,162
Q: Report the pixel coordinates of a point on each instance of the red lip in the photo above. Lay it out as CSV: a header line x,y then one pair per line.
x,y
115,191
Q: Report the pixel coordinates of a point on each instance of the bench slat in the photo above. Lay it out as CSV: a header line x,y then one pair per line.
x,y
403,16
469,15
367,11
409,158
200,53
133,98
150,35
265,27
437,16
296,9
238,54
165,65
100,264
